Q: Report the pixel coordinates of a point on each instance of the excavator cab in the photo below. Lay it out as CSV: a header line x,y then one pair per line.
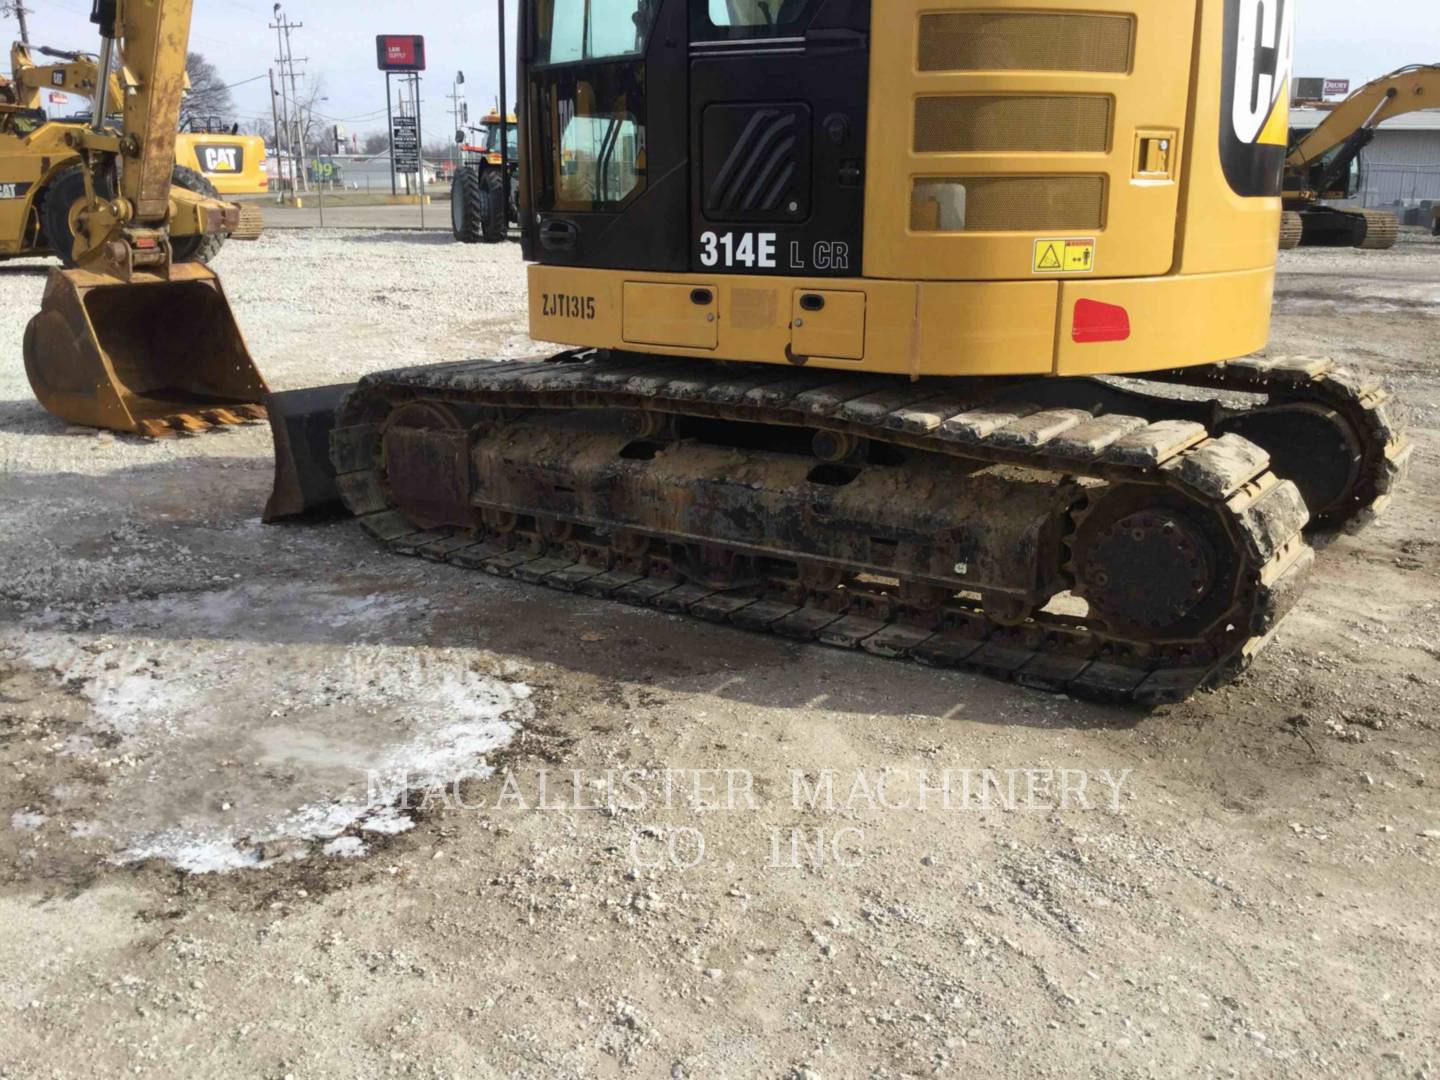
x,y
131,339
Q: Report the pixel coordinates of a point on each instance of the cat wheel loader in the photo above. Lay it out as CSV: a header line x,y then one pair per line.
x,y
1323,164
41,172
130,337
842,283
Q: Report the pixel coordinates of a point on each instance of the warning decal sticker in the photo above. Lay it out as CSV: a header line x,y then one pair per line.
x,y
1064,256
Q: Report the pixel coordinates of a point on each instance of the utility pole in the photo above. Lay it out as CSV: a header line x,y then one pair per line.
x,y
505,112
458,112
275,113
293,111
20,11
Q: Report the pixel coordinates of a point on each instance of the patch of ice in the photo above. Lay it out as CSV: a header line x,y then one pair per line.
x,y
222,750
388,821
27,820
345,847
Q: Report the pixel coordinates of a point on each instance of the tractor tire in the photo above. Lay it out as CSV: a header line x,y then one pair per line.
x,y
59,199
466,206
495,222
199,249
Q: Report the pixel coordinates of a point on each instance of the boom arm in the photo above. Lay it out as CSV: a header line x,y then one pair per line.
x,y
78,74
127,218
156,34
1404,91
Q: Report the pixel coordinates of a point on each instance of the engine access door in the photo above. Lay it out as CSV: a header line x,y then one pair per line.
x,y
778,117
1028,139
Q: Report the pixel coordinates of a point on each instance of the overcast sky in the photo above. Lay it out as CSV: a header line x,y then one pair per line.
x,y
1335,38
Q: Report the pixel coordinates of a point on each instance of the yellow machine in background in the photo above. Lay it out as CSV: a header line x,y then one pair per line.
x,y
837,274
75,73
37,159
483,195
133,339
1324,163
233,163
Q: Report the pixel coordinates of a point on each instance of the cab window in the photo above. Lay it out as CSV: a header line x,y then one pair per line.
x,y
750,18
572,31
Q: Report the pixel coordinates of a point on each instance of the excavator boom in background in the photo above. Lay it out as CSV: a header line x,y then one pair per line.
x,y
132,339
37,160
1321,164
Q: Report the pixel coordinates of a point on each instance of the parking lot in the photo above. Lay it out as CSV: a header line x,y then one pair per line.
x,y
277,803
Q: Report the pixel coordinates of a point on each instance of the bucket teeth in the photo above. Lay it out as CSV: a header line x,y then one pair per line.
x,y
155,429
200,421
189,424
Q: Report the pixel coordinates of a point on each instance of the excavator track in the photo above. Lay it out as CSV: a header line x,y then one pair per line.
x,y
1292,230
1358,466
1382,230
959,523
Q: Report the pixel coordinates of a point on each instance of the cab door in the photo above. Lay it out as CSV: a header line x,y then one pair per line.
x,y
1019,139
606,151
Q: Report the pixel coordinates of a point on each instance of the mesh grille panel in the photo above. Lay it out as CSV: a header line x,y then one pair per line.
x,y
1030,122
1025,41
1007,203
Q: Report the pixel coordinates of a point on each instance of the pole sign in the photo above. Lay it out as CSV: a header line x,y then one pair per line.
x,y
405,144
1337,88
400,52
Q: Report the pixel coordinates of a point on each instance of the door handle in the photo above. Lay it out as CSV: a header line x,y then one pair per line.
x,y
559,235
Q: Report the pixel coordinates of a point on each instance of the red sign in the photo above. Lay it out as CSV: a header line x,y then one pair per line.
x,y
400,52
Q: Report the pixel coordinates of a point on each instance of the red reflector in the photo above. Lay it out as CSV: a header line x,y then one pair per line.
x,y
1095,322
145,243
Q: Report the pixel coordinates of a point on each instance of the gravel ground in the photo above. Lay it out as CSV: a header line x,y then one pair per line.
x,y
639,871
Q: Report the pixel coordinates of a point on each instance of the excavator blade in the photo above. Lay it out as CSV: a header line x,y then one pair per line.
x,y
301,422
150,357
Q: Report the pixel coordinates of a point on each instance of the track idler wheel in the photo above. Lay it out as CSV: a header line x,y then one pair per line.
x,y
427,466
1311,445
1152,565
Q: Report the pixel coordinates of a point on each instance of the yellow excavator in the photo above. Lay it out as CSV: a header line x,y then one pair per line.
x,y
829,376
131,338
37,163
841,283
1322,164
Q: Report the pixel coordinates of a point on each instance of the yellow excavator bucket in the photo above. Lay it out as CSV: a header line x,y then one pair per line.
x,y
152,357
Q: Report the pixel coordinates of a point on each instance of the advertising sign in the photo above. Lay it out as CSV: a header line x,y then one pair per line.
x,y
400,52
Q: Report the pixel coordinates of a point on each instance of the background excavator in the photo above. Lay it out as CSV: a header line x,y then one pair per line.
x,y
37,160
840,281
131,338
1322,164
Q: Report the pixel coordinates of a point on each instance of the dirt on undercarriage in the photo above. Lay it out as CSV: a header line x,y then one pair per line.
x,y
276,803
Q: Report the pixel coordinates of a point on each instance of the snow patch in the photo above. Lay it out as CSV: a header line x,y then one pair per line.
x,y
213,769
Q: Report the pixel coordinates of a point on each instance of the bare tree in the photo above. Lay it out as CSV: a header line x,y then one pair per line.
x,y
209,98
17,10
377,142
315,130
